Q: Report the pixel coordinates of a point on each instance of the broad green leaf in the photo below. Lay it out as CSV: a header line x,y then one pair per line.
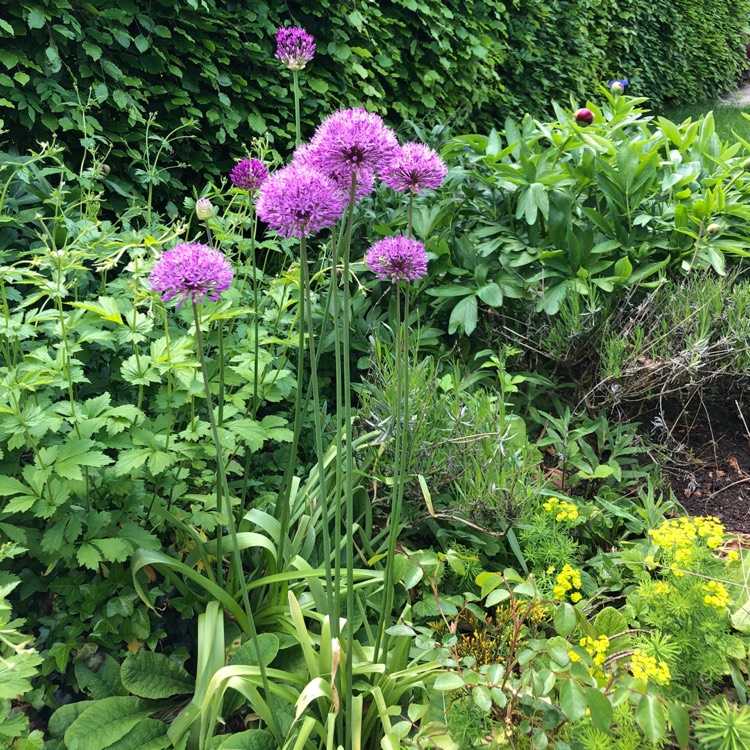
x,y
565,619
100,679
482,698
252,739
106,721
151,675
105,307
609,622
680,721
246,654
600,709
464,316
650,715
149,734
449,681
573,701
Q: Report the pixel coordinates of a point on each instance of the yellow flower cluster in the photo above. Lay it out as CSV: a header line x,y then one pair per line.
x,y
662,589
716,595
733,556
680,533
710,529
563,510
567,579
645,667
597,648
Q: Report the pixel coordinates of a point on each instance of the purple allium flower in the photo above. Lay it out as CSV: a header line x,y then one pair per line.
x,y
584,116
294,47
395,258
249,174
617,87
416,168
353,142
204,209
306,155
191,271
297,201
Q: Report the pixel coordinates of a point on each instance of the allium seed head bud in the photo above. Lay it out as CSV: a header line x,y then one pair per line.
x,y
294,47
713,228
105,169
584,116
249,174
204,209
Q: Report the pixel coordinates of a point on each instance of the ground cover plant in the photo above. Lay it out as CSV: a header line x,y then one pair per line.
x,y
347,449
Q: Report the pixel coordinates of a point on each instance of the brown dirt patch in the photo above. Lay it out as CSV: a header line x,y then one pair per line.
x,y
711,477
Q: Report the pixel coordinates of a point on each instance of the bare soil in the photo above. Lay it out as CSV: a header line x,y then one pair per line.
x,y
711,477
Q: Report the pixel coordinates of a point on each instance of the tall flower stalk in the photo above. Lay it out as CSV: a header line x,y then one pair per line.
x,y
295,48
299,201
193,272
399,260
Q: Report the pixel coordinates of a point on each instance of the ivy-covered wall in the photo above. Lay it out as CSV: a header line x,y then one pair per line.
x,y
471,61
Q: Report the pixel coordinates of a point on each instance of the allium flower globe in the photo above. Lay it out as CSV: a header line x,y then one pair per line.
x,y
249,174
294,47
416,168
191,271
305,155
353,142
397,258
298,201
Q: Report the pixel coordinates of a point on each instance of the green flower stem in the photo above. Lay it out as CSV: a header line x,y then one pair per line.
x,y
222,477
286,493
401,415
349,459
66,361
318,420
297,123
336,302
411,215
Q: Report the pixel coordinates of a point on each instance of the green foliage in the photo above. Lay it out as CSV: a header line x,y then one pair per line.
x,y
19,663
723,727
481,59
554,210
683,335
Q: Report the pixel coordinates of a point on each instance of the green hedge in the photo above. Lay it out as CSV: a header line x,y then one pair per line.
x,y
458,59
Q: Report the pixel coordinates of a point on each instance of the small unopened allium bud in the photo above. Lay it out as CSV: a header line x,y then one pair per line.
x,y
204,209
713,228
105,170
584,116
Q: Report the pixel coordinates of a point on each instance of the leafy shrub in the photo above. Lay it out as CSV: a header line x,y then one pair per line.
x,y
554,211
212,64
